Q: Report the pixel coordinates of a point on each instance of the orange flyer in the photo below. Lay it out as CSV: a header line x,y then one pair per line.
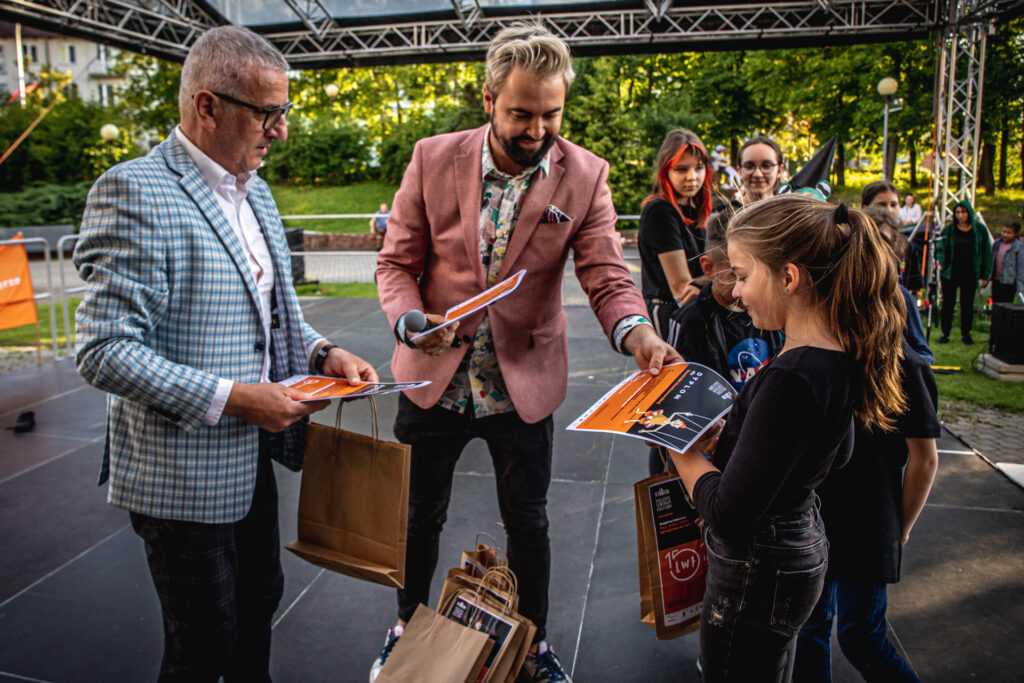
x,y
471,306
673,408
322,388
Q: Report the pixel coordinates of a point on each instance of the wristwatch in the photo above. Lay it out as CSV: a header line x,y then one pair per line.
x,y
320,356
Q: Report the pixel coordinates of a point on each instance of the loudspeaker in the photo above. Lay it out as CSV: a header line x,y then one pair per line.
x,y
1007,342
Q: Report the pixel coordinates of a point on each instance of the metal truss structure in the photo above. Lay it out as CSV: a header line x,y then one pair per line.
x,y
166,28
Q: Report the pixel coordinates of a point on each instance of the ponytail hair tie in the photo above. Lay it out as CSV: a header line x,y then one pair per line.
x,y
842,214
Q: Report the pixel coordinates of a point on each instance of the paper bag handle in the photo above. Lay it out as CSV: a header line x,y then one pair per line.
x,y
373,422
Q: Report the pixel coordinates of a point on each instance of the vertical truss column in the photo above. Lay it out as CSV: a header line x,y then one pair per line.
x,y
959,79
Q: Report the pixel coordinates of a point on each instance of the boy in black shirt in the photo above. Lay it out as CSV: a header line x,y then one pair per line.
x,y
713,329
869,507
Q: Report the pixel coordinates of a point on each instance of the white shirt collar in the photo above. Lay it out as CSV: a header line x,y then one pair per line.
x,y
213,173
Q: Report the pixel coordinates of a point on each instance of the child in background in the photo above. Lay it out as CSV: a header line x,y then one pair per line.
x,y
869,507
714,329
888,227
823,275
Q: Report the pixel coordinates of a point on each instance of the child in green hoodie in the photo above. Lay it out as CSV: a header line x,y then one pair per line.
x,y
964,252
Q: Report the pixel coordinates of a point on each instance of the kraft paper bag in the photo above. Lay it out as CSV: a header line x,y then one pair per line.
x,y
354,503
487,604
671,556
434,648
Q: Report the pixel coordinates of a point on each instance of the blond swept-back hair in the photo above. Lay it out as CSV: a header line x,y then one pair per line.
x,y
851,273
529,47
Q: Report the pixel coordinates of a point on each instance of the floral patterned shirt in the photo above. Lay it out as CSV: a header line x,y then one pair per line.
x,y
478,379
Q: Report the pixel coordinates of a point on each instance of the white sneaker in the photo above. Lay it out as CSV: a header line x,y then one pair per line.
x,y
389,645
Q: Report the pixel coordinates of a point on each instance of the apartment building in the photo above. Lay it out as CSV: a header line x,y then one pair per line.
x,y
89,63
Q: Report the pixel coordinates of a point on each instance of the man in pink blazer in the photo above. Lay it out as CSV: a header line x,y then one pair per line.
x,y
474,208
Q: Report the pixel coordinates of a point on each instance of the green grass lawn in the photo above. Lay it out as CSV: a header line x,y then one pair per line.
x,y
26,335
358,198
352,290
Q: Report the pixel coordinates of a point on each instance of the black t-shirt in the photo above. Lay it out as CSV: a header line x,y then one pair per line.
x,y
963,253
862,503
662,230
705,332
787,428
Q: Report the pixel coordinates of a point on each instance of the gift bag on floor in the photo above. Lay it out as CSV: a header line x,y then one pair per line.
x,y
354,503
487,604
671,556
434,648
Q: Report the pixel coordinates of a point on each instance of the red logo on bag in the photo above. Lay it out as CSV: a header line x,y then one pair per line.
x,y
683,563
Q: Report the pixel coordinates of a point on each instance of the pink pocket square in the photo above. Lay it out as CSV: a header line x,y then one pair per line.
x,y
553,214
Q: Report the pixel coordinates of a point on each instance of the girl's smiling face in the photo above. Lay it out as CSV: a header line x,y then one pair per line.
x,y
757,288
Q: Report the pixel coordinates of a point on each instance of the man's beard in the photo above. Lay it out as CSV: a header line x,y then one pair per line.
x,y
517,154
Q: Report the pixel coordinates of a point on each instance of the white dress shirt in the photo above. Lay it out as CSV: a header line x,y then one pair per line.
x,y
231,191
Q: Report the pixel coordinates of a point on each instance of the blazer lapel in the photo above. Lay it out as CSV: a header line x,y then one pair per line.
x,y
538,197
469,189
195,186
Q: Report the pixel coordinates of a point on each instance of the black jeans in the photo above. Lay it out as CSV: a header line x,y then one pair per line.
x,y
967,285
760,591
218,585
521,454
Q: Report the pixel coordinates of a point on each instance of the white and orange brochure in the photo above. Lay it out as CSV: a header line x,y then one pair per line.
x,y
673,408
322,388
476,303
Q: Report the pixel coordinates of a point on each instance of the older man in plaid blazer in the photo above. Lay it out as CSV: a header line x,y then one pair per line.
x,y
189,318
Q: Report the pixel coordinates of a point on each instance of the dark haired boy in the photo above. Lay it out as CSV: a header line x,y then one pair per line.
x,y
713,329
1007,264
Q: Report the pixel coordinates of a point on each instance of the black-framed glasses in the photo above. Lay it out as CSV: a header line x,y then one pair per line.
x,y
749,166
271,117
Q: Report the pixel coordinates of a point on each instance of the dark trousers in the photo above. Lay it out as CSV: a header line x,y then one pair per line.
x,y
521,454
218,585
1002,294
859,608
967,286
759,593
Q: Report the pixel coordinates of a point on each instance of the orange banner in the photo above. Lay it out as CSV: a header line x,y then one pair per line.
x,y
17,302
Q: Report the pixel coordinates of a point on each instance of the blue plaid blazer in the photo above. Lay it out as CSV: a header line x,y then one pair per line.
x,y
171,307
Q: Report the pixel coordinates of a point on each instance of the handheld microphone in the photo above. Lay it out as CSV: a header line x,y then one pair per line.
x,y
415,321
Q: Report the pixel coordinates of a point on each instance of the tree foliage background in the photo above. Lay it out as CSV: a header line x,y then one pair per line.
x,y
619,107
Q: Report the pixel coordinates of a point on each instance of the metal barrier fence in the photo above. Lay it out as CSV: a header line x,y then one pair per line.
x,y
64,291
48,294
321,266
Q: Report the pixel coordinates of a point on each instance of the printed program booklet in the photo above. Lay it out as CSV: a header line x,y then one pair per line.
x,y
673,408
322,388
474,304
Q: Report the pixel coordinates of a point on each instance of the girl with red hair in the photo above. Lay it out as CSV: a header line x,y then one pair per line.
x,y
671,238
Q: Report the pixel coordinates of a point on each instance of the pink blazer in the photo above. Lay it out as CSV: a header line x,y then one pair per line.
x,y
430,261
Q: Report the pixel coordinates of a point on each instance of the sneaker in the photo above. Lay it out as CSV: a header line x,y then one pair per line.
x,y
944,339
389,645
544,667
967,340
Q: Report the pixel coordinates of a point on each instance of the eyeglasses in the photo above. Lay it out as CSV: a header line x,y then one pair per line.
x,y
271,117
749,166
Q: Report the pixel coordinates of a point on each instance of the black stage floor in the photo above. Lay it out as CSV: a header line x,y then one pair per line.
x,y
76,603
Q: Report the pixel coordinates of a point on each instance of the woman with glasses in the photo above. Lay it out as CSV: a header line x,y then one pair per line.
x,y
671,237
760,169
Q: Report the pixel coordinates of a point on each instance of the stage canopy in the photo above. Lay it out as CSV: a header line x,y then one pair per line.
x,y
332,33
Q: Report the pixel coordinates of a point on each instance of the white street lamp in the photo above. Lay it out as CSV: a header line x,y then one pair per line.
x,y
886,88
332,90
109,132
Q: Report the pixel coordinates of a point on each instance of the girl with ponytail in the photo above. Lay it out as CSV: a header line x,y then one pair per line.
x,y
822,275
671,235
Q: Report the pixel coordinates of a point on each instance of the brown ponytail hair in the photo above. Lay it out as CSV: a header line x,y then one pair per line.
x,y
852,274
